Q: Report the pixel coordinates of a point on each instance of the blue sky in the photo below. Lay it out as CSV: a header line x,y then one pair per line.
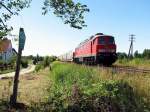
x,y
47,35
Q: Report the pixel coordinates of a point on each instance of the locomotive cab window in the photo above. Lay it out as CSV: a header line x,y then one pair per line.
x,y
111,40
101,40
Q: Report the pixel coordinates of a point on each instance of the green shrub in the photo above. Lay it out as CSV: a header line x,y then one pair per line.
x,y
13,61
46,62
24,63
38,67
1,62
146,54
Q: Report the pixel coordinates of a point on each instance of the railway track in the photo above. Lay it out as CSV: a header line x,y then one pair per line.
x,y
126,69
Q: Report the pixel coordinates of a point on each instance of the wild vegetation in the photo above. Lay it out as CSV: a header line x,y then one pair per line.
x,y
145,54
43,62
79,88
75,80
140,60
7,67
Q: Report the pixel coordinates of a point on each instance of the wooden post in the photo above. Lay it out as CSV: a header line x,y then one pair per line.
x,y
13,98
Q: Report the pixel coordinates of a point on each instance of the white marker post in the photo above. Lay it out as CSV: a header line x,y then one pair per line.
x,y
22,38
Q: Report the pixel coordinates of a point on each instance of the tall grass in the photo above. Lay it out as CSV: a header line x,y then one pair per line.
x,y
89,88
80,88
136,62
67,75
138,81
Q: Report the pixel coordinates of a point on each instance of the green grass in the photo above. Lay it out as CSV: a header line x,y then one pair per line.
x,y
71,87
6,71
88,88
136,62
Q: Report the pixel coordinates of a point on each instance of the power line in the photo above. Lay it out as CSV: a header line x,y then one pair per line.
x,y
131,39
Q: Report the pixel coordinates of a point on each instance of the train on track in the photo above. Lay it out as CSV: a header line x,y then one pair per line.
x,y
98,49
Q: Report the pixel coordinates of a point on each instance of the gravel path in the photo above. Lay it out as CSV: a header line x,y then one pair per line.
x,y
22,72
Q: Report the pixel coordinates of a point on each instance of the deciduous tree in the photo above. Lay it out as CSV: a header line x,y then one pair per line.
x,y
70,12
8,8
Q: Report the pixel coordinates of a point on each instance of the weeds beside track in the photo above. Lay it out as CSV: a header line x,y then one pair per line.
x,y
126,69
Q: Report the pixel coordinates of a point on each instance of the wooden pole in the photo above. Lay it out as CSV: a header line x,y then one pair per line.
x,y
13,98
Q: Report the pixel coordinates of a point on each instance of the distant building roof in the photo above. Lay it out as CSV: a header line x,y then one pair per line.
x,y
4,45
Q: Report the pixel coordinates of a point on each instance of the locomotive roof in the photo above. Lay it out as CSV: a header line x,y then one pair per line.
x,y
92,38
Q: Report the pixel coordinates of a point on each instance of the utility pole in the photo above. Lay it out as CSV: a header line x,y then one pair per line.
x,y
132,39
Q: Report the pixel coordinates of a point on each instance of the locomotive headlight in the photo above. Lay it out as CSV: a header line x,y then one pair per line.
x,y
102,50
112,50
107,50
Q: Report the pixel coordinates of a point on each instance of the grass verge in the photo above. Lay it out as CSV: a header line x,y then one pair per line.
x,y
136,62
78,88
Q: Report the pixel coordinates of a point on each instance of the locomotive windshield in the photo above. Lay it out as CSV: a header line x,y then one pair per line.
x,y
111,40
103,40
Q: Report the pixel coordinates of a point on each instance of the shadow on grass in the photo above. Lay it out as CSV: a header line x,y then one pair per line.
x,y
19,107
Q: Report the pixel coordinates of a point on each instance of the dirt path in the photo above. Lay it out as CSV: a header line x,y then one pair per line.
x,y
22,72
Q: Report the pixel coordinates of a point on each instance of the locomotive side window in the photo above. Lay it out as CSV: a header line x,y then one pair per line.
x,y
111,40
101,40
94,41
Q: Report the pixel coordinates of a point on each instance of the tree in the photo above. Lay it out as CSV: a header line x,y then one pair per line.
x,y
122,55
137,54
8,9
46,61
146,53
2,34
70,12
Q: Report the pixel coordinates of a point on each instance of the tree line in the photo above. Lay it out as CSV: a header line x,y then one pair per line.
x,y
145,54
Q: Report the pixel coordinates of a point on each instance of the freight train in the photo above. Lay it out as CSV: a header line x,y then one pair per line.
x,y
98,49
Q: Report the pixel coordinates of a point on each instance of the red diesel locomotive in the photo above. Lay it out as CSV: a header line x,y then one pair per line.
x,y
98,49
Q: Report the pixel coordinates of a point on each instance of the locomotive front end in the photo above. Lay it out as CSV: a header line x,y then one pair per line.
x,y
106,50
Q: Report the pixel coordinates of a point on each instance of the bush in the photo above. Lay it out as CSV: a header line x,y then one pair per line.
x,y
146,54
38,67
1,62
46,62
13,61
24,63
35,61
122,55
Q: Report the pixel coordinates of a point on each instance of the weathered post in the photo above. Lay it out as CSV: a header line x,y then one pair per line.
x,y
22,38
